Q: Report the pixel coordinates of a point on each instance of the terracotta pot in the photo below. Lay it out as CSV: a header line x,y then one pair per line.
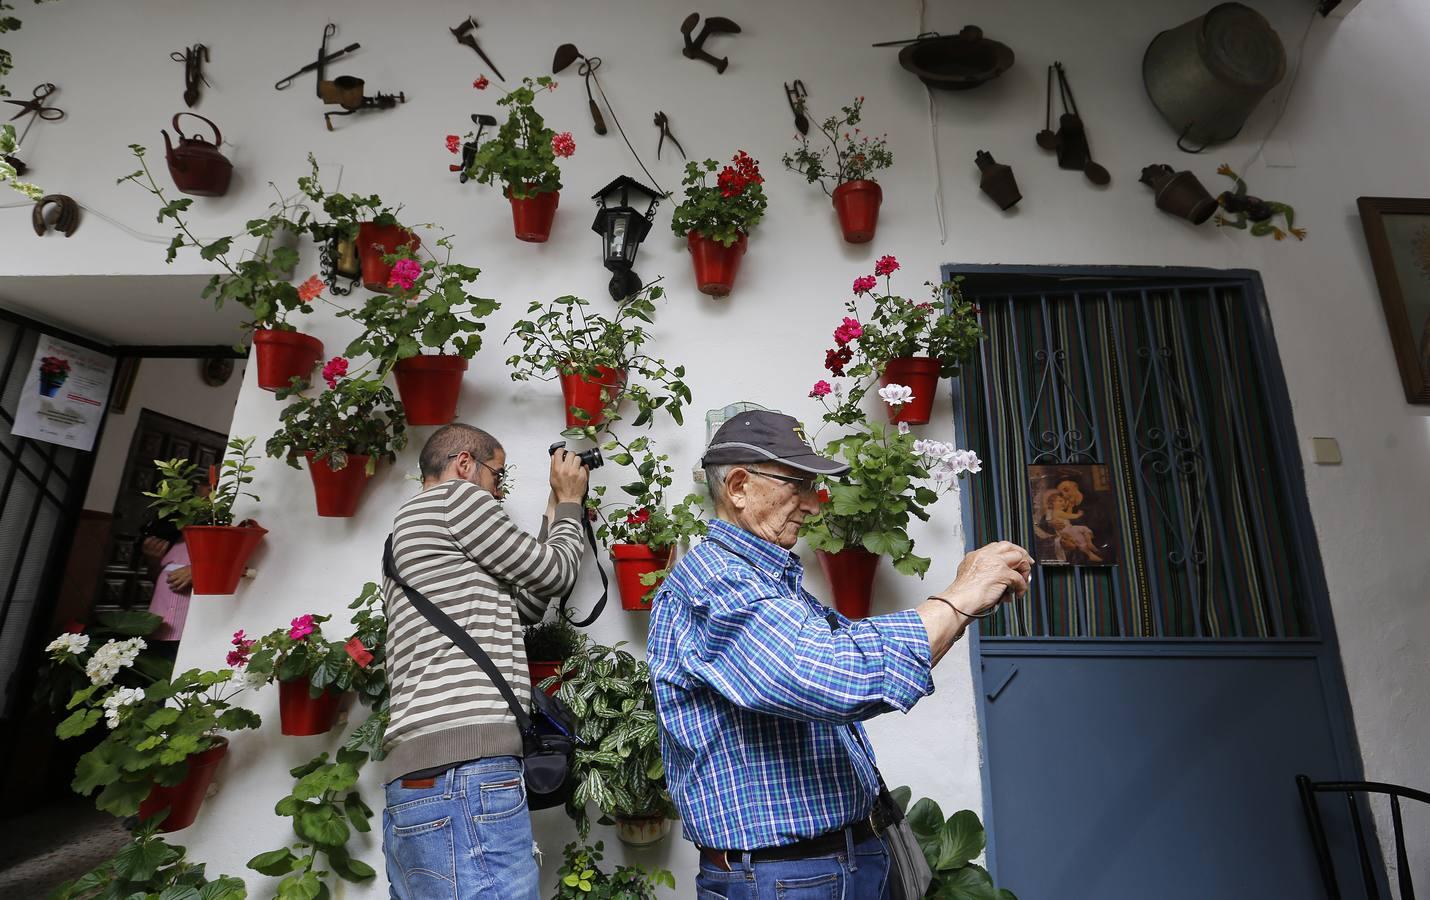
x,y
631,562
184,799
285,355
373,243
542,669
531,217
850,573
338,492
585,394
857,203
641,831
301,714
919,373
715,264
218,555
429,387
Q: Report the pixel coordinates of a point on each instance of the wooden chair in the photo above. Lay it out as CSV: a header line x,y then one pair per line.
x,y
1309,789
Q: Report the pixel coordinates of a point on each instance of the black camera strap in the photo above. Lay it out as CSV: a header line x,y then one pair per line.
x,y
605,583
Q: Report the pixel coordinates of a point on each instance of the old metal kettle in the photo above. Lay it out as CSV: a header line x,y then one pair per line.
x,y
196,165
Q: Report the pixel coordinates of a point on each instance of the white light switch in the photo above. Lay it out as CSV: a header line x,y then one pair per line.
x,y
1325,451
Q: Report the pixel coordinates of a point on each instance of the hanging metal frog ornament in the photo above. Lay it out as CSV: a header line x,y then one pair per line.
x,y
1246,208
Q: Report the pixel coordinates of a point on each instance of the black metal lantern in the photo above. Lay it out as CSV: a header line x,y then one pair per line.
x,y
622,227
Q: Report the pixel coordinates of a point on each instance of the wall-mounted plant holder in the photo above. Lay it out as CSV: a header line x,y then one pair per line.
x,y
338,262
997,180
196,165
1180,194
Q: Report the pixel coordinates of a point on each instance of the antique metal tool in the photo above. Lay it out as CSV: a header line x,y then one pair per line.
x,y
463,34
323,59
695,47
35,108
662,121
566,54
469,148
796,95
193,59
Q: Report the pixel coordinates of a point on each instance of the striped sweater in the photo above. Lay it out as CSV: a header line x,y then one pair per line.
x,y
455,543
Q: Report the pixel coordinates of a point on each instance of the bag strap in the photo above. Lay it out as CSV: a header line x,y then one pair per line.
x,y
454,632
605,584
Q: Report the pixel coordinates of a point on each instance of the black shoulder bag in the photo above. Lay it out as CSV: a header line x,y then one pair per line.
x,y
547,732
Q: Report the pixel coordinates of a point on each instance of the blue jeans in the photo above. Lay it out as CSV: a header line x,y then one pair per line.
x,y
467,835
835,876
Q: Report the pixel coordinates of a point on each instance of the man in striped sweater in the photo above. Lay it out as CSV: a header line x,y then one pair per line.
x,y
456,822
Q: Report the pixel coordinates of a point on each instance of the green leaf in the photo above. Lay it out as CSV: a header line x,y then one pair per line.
x,y
139,860
358,812
968,883
321,825
274,862
901,796
94,769
960,840
309,766
78,722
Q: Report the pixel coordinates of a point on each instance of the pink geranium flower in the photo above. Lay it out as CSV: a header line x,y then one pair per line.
x,y
821,389
864,284
336,368
481,83
848,331
300,628
886,265
404,274
238,657
563,145
309,290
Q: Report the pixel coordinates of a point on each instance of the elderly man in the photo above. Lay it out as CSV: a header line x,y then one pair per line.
x,y
760,688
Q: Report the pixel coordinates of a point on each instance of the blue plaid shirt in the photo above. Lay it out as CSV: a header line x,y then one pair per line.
x,y
755,694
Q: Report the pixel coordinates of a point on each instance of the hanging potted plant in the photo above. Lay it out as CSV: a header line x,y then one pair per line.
x,y
163,744
342,432
54,371
203,510
845,169
617,764
259,283
581,877
716,219
641,532
594,357
429,309
522,158
359,235
548,645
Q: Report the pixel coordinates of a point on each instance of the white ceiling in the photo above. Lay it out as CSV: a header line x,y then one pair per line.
x,y
125,309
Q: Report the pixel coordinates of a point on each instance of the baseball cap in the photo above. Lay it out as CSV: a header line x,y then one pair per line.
x,y
765,436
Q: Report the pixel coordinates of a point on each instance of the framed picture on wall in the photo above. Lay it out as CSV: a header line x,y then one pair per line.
x,y
1075,515
1397,232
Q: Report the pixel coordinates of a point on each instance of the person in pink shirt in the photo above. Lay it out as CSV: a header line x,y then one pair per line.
x,y
172,588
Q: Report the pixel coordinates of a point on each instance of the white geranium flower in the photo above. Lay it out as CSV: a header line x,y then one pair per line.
x,y
69,643
110,658
896,394
252,679
903,428
117,701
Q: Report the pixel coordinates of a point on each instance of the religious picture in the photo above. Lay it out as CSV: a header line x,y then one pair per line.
x,y
1075,515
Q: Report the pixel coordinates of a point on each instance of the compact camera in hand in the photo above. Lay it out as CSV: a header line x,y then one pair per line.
x,y
591,459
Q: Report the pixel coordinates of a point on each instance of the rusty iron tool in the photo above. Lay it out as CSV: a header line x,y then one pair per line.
x,y
323,59
695,47
35,108
662,121
566,54
796,95
463,34
1047,138
193,59
381,101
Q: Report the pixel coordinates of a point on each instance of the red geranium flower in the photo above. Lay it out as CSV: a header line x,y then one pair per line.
x,y
481,83
309,290
454,143
886,265
336,368
563,145
864,284
639,517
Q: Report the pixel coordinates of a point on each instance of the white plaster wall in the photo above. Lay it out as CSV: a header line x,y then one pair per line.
x,y
173,387
1357,124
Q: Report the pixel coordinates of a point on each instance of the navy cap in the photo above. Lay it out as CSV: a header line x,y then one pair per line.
x,y
765,436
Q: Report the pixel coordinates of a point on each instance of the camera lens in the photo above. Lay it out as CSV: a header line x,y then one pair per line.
x,y
591,458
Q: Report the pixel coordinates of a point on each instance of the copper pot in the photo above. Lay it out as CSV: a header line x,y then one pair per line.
x,y
196,165
345,91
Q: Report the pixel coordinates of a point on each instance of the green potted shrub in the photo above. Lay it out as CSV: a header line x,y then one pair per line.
x,y
358,235
259,283
617,763
550,643
950,846
581,877
342,432
218,548
716,219
428,309
163,744
845,169
594,357
522,158
150,867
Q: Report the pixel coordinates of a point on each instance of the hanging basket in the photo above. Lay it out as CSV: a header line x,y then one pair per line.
x,y
631,562
300,713
283,356
218,555
338,491
715,264
857,203
184,799
429,387
919,373
850,573
585,394
376,241
533,216
542,669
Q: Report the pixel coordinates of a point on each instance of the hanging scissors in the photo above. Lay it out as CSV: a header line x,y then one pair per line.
x,y
662,121
796,95
37,109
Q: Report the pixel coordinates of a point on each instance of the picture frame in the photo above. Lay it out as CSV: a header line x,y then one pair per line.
x,y
1075,515
1397,234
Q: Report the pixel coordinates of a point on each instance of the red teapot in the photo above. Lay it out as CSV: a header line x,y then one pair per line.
x,y
196,165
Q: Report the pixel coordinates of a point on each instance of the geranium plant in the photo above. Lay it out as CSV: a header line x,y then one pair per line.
x,y
523,154
178,501
300,652
150,868
581,877
353,417
644,515
722,211
344,212
368,648
851,155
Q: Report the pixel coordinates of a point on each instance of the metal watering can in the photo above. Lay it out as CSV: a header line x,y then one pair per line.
x,y
196,165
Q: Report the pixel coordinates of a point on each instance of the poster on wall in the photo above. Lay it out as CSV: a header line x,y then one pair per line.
x,y
1074,515
64,394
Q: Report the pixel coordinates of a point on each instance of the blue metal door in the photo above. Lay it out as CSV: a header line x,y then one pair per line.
x,y
1146,708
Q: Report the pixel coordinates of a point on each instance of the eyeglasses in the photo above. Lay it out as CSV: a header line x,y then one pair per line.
x,y
499,473
801,485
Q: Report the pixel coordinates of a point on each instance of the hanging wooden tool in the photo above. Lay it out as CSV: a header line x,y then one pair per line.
x,y
463,34
193,59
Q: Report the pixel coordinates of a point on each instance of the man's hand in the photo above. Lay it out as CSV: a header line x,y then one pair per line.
x,y
987,576
180,579
153,549
568,477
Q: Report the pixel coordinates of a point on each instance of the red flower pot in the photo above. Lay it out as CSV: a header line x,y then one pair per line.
x,y
532,216
850,573
338,492
631,562
919,373
715,264
184,799
857,203
285,355
301,714
429,386
585,394
219,553
376,241
542,669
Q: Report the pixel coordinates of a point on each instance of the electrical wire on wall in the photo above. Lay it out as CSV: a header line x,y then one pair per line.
x,y
1286,95
933,143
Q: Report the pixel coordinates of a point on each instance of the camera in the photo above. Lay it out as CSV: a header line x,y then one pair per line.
x,y
591,459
